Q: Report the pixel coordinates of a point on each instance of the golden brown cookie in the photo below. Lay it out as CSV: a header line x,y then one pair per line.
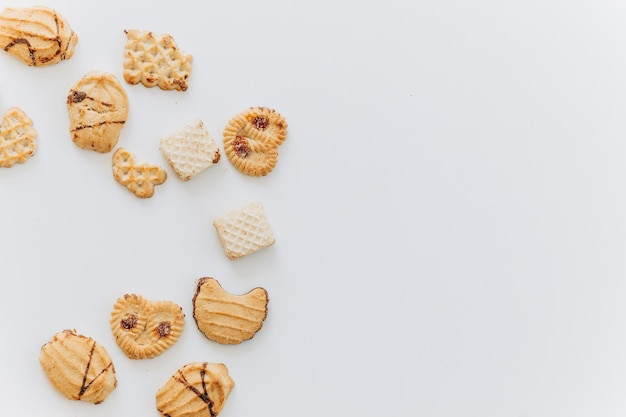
x,y
37,35
140,179
226,318
17,138
144,329
97,106
78,367
251,140
198,389
155,60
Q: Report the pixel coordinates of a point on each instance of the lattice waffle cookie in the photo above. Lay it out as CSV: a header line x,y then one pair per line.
x,y
251,140
190,151
37,35
155,60
140,179
144,329
17,138
244,231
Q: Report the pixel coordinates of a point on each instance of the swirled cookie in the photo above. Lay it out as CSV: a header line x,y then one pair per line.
x,y
144,329
155,60
140,179
197,389
78,367
37,35
17,138
227,318
251,140
97,106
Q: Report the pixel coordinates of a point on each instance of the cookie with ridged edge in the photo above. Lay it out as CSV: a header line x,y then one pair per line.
x,y
155,60
251,140
226,318
78,367
197,389
144,329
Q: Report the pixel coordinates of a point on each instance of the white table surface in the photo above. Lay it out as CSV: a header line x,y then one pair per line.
x,y
449,208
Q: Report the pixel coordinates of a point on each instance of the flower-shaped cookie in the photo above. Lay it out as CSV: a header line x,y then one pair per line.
x,y
17,138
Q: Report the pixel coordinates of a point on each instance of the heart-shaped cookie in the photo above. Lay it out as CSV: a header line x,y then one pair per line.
x,y
140,179
251,140
145,329
17,138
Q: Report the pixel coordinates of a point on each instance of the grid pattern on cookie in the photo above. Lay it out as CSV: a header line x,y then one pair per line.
x,y
155,60
17,138
138,178
190,151
244,231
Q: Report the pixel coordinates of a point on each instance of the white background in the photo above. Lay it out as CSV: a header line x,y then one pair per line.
x,y
449,208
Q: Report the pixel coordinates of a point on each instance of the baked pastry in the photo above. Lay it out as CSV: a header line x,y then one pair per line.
x,y
155,60
17,138
98,108
190,150
144,329
227,318
78,367
251,140
37,35
244,231
140,179
197,389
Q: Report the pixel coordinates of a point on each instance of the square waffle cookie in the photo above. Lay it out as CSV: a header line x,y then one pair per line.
x,y
244,231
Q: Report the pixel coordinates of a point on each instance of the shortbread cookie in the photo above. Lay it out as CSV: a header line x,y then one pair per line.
x,y
37,35
251,140
140,179
190,151
198,389
227,318
78,367
244,231
17,138
144,329
155,60
98,108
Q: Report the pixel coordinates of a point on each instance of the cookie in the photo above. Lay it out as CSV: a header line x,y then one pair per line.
x,y
190,150
140,179
226,318
251,140
97,106
37,35
78,367
144,329
197,389
17,138
155,60
244,231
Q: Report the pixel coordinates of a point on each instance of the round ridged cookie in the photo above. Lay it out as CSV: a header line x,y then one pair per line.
x,y
97,106
197,389
78,367
144,329
251,140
